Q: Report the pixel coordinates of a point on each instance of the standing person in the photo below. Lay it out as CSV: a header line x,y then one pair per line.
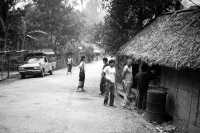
x,y
135,70
143,78
81,74
69,64
109,74
102,83
127,78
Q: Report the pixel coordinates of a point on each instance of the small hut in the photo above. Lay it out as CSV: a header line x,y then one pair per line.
x,y
172,41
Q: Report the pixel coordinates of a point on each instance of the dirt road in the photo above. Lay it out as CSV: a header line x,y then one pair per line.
x,y
52,105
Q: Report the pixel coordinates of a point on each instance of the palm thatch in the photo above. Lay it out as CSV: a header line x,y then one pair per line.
x,y
172,40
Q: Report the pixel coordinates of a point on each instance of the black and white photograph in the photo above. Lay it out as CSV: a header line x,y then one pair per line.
x,y
99,66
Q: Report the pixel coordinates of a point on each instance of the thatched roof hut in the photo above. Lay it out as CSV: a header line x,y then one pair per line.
x,y
171,40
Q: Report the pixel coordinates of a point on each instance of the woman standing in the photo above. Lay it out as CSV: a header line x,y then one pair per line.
x,y
81,74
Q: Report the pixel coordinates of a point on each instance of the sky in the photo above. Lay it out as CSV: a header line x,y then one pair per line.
x,y
186,3
22,4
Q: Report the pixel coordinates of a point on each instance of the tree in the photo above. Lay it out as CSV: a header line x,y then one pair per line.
x,y
11,20
61,22
126,17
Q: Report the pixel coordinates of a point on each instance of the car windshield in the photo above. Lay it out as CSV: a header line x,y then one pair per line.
x,y
34,60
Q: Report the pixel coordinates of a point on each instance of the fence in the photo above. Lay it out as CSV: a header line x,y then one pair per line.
x,y
9,63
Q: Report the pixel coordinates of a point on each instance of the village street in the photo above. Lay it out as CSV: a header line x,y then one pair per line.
x,y
52,105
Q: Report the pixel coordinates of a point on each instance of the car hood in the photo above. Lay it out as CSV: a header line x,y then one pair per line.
x,y
30,65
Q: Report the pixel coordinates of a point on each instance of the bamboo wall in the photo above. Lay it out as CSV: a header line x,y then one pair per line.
x,y
183,101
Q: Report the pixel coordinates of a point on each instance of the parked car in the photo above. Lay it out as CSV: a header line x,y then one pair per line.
x,y
38,65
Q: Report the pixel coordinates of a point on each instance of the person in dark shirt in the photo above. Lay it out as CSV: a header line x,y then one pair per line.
x,y
142,78
102,83
135,70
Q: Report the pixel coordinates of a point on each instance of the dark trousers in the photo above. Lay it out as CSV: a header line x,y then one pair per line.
x,y
110,88
81,79
141,100
69,67
102,85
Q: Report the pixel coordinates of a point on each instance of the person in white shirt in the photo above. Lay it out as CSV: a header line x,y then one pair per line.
x,y
69,65
109,73
81,74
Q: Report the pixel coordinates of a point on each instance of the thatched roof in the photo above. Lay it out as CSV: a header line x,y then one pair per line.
x,y
172,40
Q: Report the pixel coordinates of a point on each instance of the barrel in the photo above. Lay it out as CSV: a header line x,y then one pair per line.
x,y
156,103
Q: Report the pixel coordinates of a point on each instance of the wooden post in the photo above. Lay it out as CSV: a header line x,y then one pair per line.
x,y
191,95
197,114
8,65
2,67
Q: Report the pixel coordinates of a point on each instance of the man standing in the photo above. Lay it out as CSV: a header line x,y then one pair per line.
x,y
69,64
102,83
127,79
109,74
143,78
135,70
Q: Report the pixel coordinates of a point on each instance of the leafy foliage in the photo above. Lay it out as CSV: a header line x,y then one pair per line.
x,y
126,17
11,23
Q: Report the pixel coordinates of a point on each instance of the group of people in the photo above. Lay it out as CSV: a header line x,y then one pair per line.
x,y
139,80
131,77
81,73
107,85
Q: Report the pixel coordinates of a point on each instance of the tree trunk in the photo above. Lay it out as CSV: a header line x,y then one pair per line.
x,y
5,34
5,42
23,41
18,42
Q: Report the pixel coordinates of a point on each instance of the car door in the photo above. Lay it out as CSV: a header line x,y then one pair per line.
x,y
42,63
46,64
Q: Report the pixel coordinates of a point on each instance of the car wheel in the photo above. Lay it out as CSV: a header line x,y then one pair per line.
x,y
51,72
42,73
23,76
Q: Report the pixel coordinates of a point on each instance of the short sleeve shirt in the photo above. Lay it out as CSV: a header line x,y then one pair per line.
x,y
69,61
110,73
82,65
143,79
129,74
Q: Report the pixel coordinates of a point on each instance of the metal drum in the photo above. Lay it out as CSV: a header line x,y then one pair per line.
x,y
156,102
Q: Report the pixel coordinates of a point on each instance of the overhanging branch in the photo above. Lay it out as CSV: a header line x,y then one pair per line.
x,y
194,3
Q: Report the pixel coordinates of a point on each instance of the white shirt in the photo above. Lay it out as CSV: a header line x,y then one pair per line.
x,y
69,61
110,73
82,65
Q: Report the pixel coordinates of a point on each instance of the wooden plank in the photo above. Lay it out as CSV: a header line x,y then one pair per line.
x,y
198,113
171,81
163,76
195,98
185,126
121,93
184,94
133,91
